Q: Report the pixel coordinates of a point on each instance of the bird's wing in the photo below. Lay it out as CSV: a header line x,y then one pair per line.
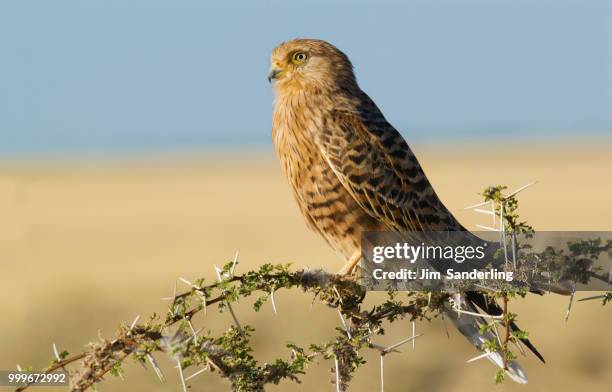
x,y
374,163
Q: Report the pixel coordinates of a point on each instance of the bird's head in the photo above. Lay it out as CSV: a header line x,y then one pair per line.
x,y
309,64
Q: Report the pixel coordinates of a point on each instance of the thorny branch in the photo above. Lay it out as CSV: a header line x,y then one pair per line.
x,y
230,354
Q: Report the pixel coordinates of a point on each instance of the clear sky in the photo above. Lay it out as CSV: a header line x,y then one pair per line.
x,y
95,75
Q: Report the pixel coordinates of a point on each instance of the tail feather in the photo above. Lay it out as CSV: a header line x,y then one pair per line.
x,y
469,326
491,307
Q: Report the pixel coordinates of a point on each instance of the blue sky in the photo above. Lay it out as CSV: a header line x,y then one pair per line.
x,y
97,75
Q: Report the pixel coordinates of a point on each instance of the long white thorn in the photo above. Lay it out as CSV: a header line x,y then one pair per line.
x,y
569,306
520,189
382,348
514,250
273,302
476,205
196,373
484,315
337,373
155,366
56,353
193,331
234,263
487,354
134,323
344,324
211,363
180,369
502,229
218,272
337,293
396,345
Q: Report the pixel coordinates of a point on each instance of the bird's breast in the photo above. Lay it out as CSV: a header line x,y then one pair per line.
x,y
325,203
293,130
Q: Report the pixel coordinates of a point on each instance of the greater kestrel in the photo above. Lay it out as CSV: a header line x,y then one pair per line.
x,y
350,170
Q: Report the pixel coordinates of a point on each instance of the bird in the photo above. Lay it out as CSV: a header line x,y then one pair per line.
x,y
350,170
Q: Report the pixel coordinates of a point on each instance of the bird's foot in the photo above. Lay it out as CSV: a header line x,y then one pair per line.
x,y
350,267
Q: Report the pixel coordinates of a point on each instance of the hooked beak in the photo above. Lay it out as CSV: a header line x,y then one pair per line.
x,y
274,74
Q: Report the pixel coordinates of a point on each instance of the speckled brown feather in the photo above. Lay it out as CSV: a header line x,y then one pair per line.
x,y
350,170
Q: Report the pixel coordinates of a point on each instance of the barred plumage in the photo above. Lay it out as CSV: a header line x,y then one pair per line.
x,y
349,169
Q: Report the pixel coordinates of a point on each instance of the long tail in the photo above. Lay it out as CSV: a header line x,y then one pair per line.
x,y
491,307
469,326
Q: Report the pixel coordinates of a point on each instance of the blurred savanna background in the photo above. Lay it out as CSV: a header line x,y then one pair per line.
x,y
135,148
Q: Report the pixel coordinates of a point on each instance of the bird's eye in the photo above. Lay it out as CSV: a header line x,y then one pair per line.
x,y
299,57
